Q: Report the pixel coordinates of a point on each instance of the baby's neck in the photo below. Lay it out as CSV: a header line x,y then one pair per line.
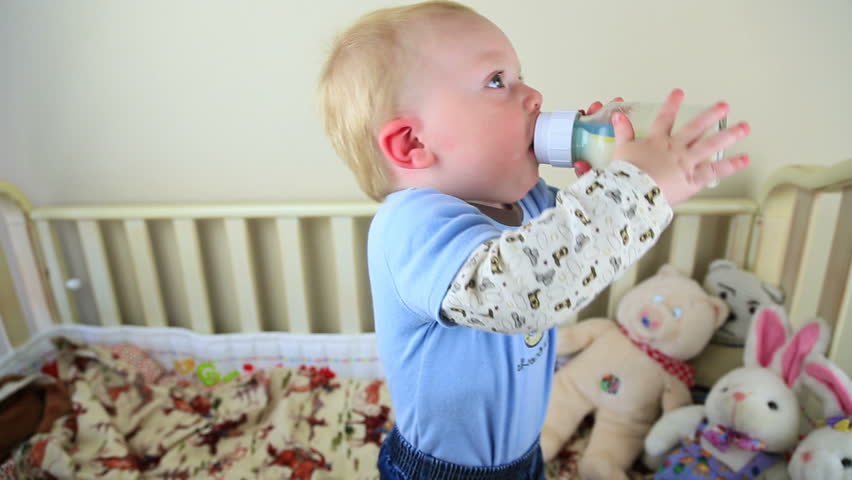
x,y
504,206
506,213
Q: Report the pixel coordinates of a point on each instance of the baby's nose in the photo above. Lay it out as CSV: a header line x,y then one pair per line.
x,y
739,396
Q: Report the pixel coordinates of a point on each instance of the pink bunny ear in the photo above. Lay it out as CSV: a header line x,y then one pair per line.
x,y
832,385
768,334
812,338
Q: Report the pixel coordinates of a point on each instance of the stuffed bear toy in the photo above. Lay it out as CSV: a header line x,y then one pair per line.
x,y
744,293
626,372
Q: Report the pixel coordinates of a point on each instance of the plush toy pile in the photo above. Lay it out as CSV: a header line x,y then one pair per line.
x,y
698,381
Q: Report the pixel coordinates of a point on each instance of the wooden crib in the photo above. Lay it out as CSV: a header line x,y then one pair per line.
x,y
301,268
282,286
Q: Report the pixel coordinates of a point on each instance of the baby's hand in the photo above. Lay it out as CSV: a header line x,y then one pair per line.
x,y
677,161
581,167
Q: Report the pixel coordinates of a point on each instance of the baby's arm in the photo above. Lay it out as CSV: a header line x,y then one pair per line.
x,y
529,279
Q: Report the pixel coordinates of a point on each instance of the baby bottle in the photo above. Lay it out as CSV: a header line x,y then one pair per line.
x,y
564,137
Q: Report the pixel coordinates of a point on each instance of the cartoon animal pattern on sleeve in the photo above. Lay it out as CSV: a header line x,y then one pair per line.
x,y
529,279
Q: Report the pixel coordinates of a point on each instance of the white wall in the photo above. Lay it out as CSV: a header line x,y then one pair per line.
x,y
202,101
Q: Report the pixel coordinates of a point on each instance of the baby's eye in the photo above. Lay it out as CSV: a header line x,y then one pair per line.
x,y
497,81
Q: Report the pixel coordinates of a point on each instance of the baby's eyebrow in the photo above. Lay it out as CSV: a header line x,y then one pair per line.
x,y
490,56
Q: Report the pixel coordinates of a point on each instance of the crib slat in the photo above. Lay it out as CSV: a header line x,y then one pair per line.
x,y
292,251
685,243
5,344
348,291
804,300
100,277
840,351
142,255
57,272
189,251
16,241
244,280
620,287
773,235
739,238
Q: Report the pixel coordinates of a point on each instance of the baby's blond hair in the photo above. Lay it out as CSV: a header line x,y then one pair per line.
x,y
359,87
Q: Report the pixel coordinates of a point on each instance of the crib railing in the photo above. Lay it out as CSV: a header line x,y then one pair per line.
x,y
231,268
200,267
805,246
302,267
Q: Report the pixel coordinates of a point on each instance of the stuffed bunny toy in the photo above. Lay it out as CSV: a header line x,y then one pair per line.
x,y
826,453
751,416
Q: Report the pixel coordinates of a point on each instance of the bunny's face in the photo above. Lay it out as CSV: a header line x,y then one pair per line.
x,y
756,401
825,454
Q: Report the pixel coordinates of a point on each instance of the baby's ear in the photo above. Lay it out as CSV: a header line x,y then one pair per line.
x,y
398,141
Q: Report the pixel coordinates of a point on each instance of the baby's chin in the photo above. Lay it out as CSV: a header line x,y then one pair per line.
x,y
529,184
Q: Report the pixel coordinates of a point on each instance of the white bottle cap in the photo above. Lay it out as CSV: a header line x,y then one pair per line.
x,y
552,141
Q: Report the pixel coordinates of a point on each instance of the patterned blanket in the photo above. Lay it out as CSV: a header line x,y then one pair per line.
x,y
133,418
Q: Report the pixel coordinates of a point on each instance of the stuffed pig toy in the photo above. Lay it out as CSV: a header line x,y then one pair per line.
x,y
627,371
751,416
826,453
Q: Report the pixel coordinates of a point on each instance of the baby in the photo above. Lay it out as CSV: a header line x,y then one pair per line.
x,y
473,259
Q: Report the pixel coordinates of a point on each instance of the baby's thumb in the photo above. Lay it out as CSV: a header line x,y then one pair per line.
x,y
622,128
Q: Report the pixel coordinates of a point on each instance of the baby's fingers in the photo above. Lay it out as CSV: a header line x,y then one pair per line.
x,y
622,128
665,119
708,147
695,127
593,108
708,172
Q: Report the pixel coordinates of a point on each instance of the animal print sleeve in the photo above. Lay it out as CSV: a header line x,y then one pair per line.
x,y
529,279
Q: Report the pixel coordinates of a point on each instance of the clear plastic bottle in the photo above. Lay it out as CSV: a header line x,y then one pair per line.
x,y
565,137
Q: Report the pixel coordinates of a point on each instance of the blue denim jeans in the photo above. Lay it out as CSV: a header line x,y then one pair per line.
x,y
399,460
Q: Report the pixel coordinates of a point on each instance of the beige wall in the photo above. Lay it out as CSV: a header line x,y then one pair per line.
x,y
164,101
